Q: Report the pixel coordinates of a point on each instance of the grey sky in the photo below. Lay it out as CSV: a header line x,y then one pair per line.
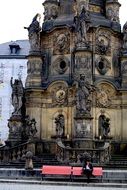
x,y
15,14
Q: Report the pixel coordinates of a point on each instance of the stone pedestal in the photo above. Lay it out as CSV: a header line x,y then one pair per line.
x,y
15,130
83,127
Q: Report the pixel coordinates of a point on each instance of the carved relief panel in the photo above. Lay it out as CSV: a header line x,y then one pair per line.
x,y
61,43
103,42
60,94
83,65
104,95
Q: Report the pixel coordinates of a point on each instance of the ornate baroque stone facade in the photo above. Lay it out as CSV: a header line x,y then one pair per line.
x,y
79,71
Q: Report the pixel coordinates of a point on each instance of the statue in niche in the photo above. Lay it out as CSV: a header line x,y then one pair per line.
x,y
30,128
104,126
60,125
81,25
34,33
83,99
125,36
17,95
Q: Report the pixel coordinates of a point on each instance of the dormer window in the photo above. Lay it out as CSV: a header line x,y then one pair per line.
x,y
14,48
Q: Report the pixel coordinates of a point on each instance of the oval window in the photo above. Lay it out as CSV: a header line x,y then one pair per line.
x,y
62,65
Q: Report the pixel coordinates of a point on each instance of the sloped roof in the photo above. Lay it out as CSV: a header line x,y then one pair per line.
x,y
24,47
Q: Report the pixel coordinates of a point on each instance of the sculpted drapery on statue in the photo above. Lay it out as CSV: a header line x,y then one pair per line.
x,y
59,121
34,33
81,25
83,99
104,126
17,95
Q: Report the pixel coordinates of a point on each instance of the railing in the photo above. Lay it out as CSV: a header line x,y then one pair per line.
x,y
74,155
13,154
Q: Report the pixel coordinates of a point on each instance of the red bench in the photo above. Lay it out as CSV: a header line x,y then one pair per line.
x,y
97,171
68,171
56,170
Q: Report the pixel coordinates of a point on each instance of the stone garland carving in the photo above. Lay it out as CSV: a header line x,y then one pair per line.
x,y
61,43
102,65
103,42
34,33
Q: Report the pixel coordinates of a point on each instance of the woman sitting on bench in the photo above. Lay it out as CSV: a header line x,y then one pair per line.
x,y
87,169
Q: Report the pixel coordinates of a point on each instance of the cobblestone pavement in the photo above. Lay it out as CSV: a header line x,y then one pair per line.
x,y
13,186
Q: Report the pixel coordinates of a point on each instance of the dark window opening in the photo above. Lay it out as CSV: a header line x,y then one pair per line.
x,y
62,65
101,65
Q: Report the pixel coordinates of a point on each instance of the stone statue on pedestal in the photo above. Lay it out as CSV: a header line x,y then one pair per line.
x,y
83,100
81,25
17,95
34,33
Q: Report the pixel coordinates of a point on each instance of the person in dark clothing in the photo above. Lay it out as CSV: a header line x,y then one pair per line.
x,y
87,170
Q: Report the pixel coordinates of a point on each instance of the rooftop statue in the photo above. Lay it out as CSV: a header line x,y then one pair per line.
x,y
81,25
34,33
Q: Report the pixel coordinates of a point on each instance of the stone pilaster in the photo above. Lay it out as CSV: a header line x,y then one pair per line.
x,y
34,70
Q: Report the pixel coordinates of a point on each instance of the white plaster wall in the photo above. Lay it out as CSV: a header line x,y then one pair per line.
x,y
12,68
